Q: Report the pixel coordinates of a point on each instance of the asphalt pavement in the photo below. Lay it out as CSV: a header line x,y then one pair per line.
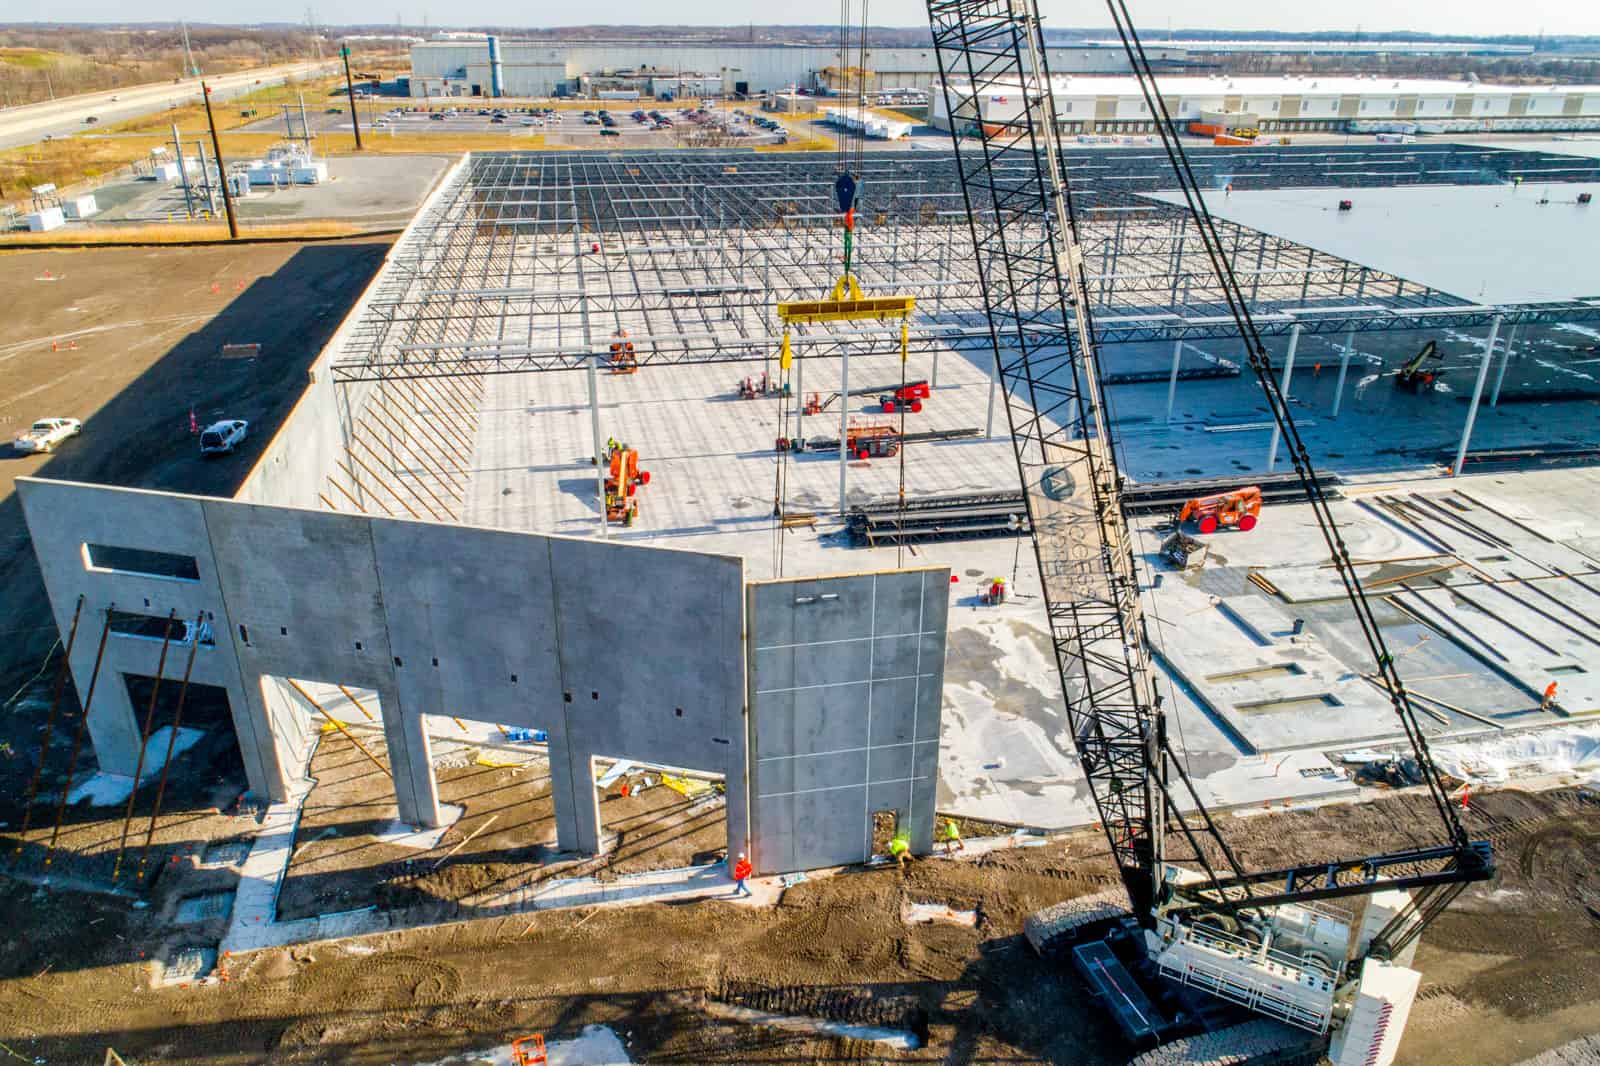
x,y
56,118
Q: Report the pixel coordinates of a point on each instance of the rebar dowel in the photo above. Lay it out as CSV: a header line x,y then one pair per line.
x,y
77,739
172,743
144,743
49,728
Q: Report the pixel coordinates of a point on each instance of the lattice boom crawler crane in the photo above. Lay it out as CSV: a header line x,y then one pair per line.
x,y
1267,941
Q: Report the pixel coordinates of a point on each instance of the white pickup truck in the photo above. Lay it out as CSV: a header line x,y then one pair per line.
x,y
47,433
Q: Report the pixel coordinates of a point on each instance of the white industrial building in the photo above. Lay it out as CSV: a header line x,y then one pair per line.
x,y
1281,104
499,66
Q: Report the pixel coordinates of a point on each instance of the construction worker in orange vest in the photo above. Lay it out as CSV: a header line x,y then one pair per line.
x,y
1549,696
741,873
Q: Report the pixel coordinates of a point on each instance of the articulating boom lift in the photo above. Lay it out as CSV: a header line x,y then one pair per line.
x,y
1240,934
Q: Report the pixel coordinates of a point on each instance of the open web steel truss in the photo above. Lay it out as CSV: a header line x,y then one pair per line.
x,y
532,261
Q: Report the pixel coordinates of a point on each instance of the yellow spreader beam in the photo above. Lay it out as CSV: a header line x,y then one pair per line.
x,y
846,302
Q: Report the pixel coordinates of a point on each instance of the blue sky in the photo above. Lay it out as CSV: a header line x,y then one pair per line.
x,y
1152,16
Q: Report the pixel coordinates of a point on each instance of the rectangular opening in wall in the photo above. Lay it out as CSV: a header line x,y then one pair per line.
x,y
656,817
154,627
140,561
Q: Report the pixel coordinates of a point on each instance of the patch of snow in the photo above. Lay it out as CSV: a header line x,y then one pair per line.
x,y
1566,749
1582,331
920,913
597,1045
104,790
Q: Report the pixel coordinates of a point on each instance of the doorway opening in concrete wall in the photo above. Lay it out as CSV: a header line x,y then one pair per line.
x,y
206,768
884,825
659,818
351,849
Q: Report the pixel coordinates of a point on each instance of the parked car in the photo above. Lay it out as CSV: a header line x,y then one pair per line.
x,y
91,120
220,438
607,131
335,111
45,434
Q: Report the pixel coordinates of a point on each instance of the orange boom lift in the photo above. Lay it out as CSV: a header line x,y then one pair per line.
x,y
1241,508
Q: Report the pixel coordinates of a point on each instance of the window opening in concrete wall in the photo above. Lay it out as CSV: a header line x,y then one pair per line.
x,y
110,557
154,627
660,818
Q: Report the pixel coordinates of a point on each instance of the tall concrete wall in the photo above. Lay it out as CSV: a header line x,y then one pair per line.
x,y
846,679
613,649
295,466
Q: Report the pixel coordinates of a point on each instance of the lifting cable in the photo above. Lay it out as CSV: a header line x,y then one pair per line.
x,y
780,490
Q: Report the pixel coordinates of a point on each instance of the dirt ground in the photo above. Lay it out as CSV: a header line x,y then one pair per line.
x,y
507,830
128,340
1511,970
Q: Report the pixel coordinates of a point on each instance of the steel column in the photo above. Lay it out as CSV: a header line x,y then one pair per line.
x,y
1477,396
1500,375
1172,379
1288,373
1344,368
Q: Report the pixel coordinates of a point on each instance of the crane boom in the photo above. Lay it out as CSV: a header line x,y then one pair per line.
x,y
1031,268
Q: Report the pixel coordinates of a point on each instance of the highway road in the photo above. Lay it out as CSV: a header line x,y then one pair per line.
x,y
33,122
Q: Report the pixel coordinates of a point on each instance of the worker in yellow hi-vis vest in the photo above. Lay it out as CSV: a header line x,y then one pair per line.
x,y
952,837
900,847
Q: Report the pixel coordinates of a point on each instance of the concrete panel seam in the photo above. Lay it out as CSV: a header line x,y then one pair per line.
x,y
843,684
840,788
866,796
848,640
916,690
275,772
847,751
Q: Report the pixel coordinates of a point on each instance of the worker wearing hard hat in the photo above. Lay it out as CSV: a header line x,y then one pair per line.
x,y
952,837
741,873
900,847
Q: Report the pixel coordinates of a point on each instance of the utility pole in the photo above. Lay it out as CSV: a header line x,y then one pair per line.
x,y
188,55
350,91
305,127
222,169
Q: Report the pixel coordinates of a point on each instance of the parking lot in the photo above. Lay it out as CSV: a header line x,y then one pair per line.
x,y
631,124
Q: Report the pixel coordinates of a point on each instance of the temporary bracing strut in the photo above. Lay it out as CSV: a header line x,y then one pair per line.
x,y
172,742
144,742
49,728
77,739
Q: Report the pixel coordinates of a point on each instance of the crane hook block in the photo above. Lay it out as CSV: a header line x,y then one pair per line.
x,y
845,190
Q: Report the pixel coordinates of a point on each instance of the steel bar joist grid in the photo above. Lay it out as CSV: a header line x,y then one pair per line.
x,y
532,261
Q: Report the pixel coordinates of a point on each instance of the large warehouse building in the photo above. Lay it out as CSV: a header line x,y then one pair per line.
x,y
1115,104
493,66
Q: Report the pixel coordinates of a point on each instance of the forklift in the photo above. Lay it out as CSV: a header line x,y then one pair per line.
x,y
1412,377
